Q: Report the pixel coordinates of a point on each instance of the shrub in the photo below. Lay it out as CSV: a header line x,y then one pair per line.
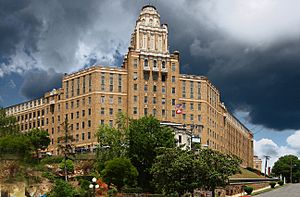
x,y
52,160
280,183
132,190
48,175
248,189
272,184
112,192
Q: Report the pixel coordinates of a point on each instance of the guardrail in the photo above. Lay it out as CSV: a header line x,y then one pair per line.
x,y
238,181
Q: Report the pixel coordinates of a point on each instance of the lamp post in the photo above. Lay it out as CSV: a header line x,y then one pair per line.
x,y
94,186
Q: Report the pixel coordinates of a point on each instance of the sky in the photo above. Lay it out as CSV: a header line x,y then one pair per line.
x,y
248,49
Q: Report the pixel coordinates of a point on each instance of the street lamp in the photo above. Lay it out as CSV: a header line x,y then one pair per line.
x,y
94,186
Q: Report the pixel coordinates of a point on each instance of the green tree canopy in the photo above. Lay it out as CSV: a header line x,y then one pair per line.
x,y
218,167
120,172
145,135
8,124
177,170
285,165
39,139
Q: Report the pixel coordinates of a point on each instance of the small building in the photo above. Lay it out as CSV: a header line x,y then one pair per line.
x,y
257,163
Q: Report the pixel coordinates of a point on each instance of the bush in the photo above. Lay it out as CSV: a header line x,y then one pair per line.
x,y
272,184
248,189
132,190
112,192
48,175
52,160
280,183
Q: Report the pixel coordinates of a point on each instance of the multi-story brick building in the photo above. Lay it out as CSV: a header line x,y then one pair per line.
x,y
148,82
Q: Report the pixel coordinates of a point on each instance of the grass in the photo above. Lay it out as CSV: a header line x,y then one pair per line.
x,y
246,174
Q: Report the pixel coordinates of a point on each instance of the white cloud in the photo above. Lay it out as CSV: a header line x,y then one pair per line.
x,y
257,22
268,147
294,140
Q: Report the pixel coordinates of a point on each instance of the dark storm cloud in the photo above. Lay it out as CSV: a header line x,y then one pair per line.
x,y
37,82
254,61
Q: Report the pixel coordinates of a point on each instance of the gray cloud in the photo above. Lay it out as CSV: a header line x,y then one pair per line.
x,y
37,82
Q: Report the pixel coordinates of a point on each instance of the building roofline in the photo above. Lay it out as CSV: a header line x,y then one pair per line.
x,y
148,5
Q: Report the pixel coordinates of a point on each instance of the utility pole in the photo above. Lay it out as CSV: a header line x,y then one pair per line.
x,y
266,163
291,174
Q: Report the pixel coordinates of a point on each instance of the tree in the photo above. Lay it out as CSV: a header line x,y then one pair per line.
x,y
177,170
69,165
218,167
39,139
8,124
287,166
61,188
113,142
120,172
145,135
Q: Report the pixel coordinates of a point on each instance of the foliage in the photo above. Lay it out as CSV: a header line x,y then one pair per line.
x,y
177,170
69,164
272,184
285,164
61,188
52,159
248,189
132,190
112,192
7,124
281,183
39,139
120,172
15,144
218,167
145,135
48,175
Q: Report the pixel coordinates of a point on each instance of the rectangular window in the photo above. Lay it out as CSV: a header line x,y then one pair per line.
x,y
111,111
111,99
102,81
154,88
191,89
199,107
163,112
90,111
67,89
77,103
184,116
101,122
163,89
163,101
111,82
111,123
173,101
154,100
102,99
77,114
135,87
192,106
72,104
83,84
83,113
89,123
90,100
90,82
199,118
145,87
154,112
146,99
89,135
173,79
199,90
173,67
102,111
173,90
119,100
135,63
82,136
192,117
78,85
135,98
135,110
183,89
145,111
82,125
173,113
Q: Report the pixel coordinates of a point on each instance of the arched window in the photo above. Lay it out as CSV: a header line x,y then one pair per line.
x,y
163,64
145,63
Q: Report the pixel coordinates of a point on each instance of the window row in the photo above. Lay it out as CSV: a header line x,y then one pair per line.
x,y
74,87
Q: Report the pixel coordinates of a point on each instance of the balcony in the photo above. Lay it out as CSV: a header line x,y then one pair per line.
x,y
155,69
146,68
164,70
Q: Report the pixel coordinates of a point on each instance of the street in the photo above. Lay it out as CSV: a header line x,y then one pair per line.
x,y
292,190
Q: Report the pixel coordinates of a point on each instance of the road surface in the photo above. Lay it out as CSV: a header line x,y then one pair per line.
x,y
291,190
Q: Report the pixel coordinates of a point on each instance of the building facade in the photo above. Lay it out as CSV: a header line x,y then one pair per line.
x,y
257,163
149,82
